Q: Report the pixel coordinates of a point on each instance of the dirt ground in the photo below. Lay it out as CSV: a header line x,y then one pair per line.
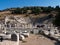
x,y
8,42
31,40
37,40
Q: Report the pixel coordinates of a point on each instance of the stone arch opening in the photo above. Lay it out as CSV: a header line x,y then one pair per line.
x,y
14,37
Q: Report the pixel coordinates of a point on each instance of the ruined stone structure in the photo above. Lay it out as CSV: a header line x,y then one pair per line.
x,y
21,22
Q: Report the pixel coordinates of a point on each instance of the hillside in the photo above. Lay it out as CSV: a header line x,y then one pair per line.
x,y
36,14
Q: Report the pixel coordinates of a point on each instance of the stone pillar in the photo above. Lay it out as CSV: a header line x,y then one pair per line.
x,y
18,39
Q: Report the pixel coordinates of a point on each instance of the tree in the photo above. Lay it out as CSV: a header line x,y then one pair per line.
x,y
24,10
47,9
57,8
17,11
36,10
56,22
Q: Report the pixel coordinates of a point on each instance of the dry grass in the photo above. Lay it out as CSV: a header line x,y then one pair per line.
x,y
8,13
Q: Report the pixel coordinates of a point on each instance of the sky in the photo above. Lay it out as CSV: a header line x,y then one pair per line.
x,y
23,3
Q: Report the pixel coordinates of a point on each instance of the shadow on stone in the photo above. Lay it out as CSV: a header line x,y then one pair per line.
x,y
57,43
14,37
24,41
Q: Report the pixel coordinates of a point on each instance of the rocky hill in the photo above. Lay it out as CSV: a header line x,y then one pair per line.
x,y
36,14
